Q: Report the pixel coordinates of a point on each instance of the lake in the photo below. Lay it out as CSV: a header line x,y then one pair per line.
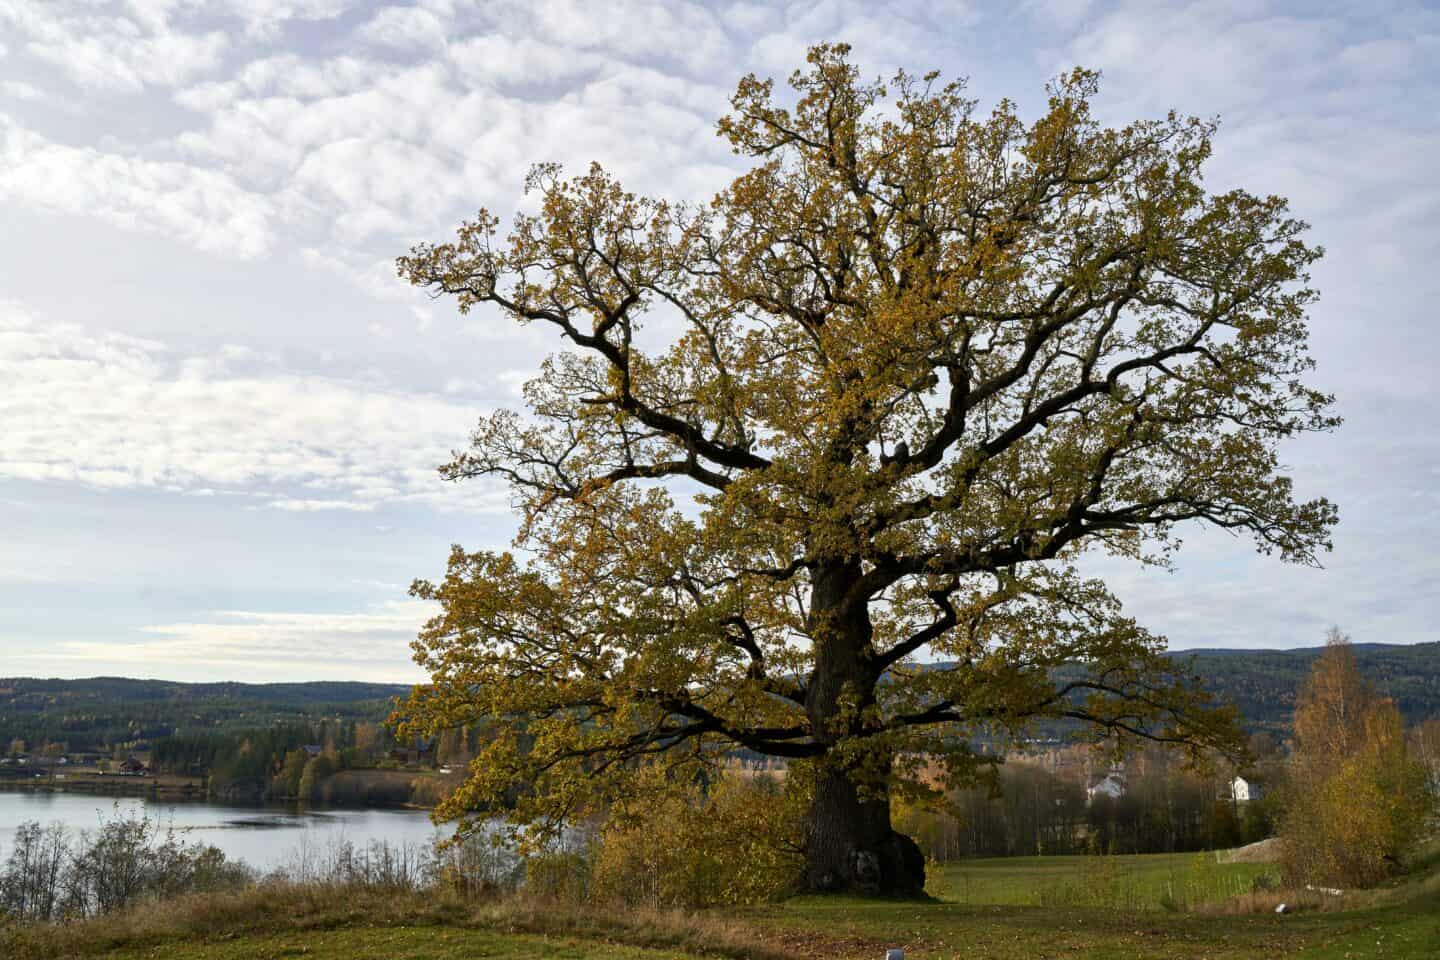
x,y
264,837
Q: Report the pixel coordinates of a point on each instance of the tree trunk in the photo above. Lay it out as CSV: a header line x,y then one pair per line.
x,y
850,846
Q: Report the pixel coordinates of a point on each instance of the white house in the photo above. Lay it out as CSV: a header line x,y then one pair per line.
x,y
1243,791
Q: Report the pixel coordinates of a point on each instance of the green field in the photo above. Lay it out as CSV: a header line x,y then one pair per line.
x,y
1148,906
1146,882
1062,908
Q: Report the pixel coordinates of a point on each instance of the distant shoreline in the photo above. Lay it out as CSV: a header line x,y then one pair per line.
x,y
168,789
163,787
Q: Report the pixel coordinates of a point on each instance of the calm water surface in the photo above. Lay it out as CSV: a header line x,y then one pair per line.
x,y
264,837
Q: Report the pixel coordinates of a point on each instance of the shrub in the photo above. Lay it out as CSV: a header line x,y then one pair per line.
x,y
51,875
738,841
35,874
1357,800
559,875
477,864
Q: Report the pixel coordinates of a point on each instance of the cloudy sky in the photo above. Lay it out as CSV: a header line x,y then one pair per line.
x,y
220,412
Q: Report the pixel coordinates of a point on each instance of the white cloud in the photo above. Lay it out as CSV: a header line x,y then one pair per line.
x,y
285,75
329,135
406,615
204,208
506,60
311,506
367,645
264,18
405,28
118,48
1229,53
702,43
363,150
376,277
1058,14
111,411
127,46
359,150
20,90
374,186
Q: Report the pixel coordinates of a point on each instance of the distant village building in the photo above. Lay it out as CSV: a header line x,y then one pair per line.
x,y
1112,786
1243,791
313,749
422,751
132,767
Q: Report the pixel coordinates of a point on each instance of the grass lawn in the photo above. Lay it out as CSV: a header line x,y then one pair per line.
x,y
1408,931
856,930
1112,907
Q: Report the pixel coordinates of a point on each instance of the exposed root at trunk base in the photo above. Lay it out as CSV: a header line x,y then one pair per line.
x,y
894,867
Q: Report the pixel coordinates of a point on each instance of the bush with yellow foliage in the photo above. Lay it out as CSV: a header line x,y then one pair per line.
x,y
1357,800
737,840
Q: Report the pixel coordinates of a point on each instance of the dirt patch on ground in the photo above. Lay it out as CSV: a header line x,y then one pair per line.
x,y
815,946
1264,851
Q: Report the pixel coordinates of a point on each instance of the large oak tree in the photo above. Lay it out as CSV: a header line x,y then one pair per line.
x,y
812,471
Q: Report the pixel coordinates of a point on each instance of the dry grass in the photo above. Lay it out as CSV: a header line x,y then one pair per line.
x,y
327,920
275,907
1265,901
711,933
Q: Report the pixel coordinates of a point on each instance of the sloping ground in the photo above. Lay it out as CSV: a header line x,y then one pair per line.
x,y
853,930
1410,932
1398,923
1012,933
323,922
1261,851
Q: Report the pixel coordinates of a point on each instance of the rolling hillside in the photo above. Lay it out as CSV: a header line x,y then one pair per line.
x,y
1262,683
95,713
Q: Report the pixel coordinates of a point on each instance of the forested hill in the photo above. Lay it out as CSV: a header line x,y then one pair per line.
x,y
123,689
97,713
1263,683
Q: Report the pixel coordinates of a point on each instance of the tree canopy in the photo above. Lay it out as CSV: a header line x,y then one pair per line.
x,y
866,407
